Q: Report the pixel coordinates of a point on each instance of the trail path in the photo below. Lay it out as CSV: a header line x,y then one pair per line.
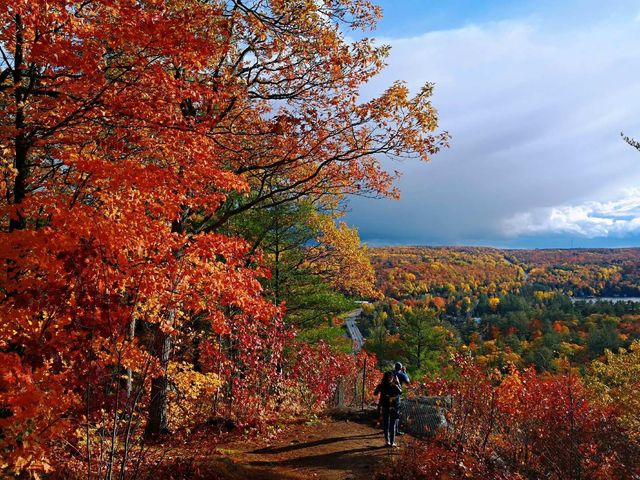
x,y
331,450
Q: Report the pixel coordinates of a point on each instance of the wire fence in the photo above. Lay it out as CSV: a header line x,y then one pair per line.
x,y
423,416
356,390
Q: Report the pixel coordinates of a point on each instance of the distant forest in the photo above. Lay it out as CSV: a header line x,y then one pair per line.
x,y
409,272
506,307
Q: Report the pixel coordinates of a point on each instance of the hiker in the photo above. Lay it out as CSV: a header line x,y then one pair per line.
x,y
389,391
400,372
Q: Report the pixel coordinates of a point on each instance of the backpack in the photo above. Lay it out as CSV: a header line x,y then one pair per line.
x,y
397,378
391,400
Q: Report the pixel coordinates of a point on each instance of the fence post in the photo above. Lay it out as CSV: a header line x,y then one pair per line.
x,y
364,379
339,396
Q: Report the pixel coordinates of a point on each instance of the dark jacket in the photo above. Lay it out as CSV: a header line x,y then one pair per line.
x,y
389,395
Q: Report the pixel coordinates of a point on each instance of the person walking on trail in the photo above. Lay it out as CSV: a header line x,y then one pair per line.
x,y
400,372
389,392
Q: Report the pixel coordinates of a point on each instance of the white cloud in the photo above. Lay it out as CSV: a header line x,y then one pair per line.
x,y
614,218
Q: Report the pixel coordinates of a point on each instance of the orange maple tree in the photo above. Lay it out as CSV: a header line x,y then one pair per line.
x,y
132,132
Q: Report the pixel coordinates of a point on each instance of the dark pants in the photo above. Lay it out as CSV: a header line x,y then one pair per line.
x,y
389,417
397,422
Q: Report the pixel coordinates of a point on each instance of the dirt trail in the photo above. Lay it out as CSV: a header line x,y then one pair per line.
x,y
331,450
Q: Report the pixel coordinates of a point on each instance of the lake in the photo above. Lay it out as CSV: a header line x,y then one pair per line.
x,y
605,299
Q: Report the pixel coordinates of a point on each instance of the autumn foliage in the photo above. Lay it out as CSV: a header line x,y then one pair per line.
x,y
522,425
520,307
320,374
467,272
132,133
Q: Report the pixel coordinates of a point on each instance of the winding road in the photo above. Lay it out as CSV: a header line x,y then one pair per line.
x,y
353,330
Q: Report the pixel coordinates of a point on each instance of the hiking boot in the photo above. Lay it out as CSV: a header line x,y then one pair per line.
x,y
399,433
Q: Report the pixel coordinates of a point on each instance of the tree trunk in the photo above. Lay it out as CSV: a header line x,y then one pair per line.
x,y
17,220
132,334
158,420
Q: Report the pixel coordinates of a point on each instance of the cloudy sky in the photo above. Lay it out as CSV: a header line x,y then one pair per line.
x,y
535,94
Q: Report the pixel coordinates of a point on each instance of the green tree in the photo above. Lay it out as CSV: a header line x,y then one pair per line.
x,y
380,341
603,337
284,234
424,339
